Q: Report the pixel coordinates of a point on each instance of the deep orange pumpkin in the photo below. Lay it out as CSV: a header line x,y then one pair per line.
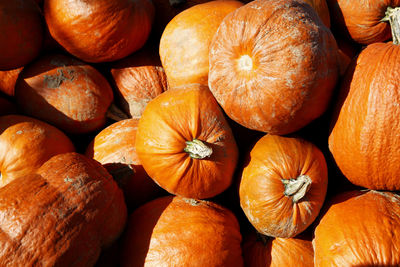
x,y
359,228
363,141
114,147
65,92
8,79
21,27
99,30
185,143
27,143
138,79
273,65
176,231
185,42
321,7
283,185
62,215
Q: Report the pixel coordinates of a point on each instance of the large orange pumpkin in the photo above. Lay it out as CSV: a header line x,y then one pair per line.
x,y
176,231
273,65
283,185
185,42
65,92
27,143
62,215
321,7
99,30
185,143
364,141
21,28
359,228
114,147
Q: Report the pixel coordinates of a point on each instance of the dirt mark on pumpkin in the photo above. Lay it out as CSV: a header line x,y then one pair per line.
x,y
54,81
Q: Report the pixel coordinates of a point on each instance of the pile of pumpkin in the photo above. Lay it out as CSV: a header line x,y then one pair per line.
x,y
199,133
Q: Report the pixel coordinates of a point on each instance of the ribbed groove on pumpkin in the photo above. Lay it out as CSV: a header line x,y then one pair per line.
x,y
392,15
197,149
297,188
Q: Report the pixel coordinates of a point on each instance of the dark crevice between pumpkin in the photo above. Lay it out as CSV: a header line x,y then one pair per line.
x,y
177,3
198,149
263,238
297,188
115,113
392,15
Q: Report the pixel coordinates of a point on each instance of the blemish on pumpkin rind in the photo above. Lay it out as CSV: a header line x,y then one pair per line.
x,y
54,81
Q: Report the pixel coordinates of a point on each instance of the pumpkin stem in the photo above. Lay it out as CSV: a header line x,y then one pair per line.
x,y
297,188
176,3
197,149
115,113
392,15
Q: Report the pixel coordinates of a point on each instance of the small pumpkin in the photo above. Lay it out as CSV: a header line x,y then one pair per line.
x,y
185,42
21,27
359,228
273,65
99,30
176,231
185,144
8,79
114,148
65,92
261,251
27,143
138,79
363,141
283,185
62,215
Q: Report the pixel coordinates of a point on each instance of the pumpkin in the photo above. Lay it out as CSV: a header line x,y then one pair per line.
x,y
273,65
99,30
283,185
7,107
185,143
114,147
261,251
62,215
363,141
8,79
185,42
359,228
138,79
363,21
65,92
21,26
321,7
26,143
176,231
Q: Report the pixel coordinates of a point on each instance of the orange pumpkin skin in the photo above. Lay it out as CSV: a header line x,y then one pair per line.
x,y
21,28
138,79
176,231
361,20
185,42
62,215
283,185
276,72
65,92
8,79
99,30
182,116
359,228
321,7
362,141
114,148
26,144
261,251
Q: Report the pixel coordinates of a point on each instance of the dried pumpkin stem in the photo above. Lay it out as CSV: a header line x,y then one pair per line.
x,y
392,15
197,149
115,113
297,188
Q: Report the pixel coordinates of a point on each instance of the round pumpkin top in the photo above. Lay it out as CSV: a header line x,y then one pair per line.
x,y
273,65
359,228
176,231
185,144
99,30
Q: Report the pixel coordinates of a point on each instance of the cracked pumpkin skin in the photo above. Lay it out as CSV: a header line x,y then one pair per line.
x,y
283,185
65,92
62,215
176,231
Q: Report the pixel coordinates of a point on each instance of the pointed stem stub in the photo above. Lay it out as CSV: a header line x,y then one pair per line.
x,y
197,149
297,187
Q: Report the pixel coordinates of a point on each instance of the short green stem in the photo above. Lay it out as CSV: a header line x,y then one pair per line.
x,y
197,149
297,188
392,15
